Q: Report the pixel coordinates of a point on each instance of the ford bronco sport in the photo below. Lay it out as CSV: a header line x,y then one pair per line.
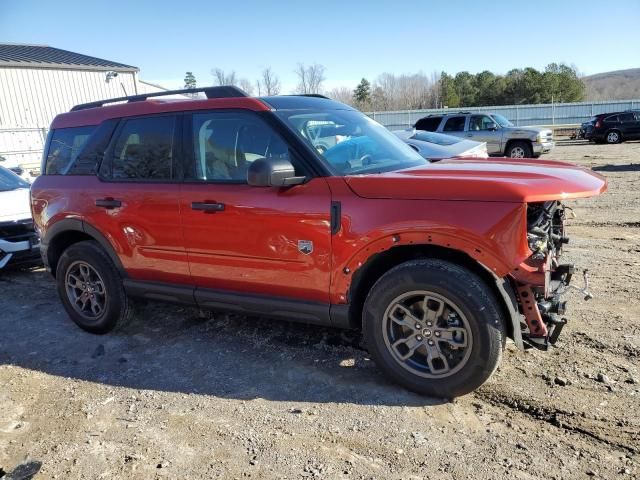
x,y
224,203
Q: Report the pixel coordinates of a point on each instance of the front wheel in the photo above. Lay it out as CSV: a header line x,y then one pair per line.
x,y
519,150
434,327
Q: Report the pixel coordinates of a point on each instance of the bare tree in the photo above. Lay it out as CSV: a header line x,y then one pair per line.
x,y
310,79
246,85
342,94
269,84
406,91
222,78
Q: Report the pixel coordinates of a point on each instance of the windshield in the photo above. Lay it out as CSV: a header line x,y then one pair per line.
x,y
503,122
350,142
10,181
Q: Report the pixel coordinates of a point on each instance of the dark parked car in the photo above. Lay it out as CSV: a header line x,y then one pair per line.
x,y
614,127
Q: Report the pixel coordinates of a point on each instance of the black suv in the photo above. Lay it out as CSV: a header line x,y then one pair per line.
x,y
614,127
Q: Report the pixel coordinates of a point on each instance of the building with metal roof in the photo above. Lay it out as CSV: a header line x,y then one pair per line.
x,y
44,56
37,82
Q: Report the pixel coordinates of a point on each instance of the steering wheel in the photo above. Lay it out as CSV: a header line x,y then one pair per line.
x,y
366,160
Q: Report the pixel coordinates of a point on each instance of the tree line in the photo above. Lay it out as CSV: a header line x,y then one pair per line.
x,y
310,80
556,83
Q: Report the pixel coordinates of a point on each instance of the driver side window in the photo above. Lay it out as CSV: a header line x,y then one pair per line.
x,y
479,122
225,144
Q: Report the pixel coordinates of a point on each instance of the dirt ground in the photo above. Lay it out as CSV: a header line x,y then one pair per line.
x,y
183,394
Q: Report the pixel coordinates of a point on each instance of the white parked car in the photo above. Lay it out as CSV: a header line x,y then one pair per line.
x,y
19,242
436,146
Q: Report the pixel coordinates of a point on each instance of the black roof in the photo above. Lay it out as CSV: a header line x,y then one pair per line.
x,y
43,56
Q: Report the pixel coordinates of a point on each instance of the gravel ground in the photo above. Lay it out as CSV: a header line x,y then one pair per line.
x,y
180,393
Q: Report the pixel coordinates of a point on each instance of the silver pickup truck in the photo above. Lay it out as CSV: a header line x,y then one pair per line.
x,y
501,136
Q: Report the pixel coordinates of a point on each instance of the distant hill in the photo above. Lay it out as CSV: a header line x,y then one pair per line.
x,y
617,85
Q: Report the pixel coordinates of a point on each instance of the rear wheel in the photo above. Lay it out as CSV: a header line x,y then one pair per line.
x,y
434,327
519,150
90,288
613,136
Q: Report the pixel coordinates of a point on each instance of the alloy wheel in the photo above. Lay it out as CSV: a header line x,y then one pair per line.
x,y
517,152
85,290
427,334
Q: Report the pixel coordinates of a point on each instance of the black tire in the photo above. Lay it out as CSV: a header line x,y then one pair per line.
x,y
468,294
613,136
520,150
115,308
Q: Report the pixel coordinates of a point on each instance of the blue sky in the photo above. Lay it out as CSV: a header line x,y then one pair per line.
x,y
351,39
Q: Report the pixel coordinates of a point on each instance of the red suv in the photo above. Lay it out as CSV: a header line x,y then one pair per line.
x,y
229,203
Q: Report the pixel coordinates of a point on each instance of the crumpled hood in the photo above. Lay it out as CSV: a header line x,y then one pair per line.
x,y
504,180
14,205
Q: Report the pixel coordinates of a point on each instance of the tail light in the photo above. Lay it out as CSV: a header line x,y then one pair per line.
x,y
598,124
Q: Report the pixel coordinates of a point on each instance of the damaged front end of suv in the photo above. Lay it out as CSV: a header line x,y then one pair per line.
x,y
541,281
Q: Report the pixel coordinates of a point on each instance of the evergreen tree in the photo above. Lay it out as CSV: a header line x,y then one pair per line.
x,y
189,80
448,92
362,93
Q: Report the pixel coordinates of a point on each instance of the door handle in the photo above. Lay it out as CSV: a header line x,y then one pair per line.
x,y
207,207
108,203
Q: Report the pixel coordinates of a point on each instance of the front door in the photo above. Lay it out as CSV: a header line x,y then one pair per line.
x,y
479,131
630,125
251,240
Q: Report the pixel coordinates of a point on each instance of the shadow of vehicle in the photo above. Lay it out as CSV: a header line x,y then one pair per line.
x,y
629,167
179,349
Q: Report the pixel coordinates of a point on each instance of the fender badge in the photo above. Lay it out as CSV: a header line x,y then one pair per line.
x,y
305,246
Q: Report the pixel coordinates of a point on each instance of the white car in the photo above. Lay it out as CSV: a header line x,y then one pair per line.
x,y
436,146
19,242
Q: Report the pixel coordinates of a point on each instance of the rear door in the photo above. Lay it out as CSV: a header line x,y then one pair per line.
x,y
135,200
244,239
478,130
455,126
429,124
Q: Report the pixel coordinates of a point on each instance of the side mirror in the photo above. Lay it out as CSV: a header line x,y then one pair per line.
x,y
492,126
272,172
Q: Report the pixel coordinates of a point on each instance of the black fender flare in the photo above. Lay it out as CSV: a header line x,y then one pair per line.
x,y
78,225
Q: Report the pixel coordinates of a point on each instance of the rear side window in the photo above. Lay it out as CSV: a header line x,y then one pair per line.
x,y
143,149
612,119
64,147
627,118
454,124
429,124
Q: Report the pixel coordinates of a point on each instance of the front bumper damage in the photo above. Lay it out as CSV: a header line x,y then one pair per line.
x,y
541,281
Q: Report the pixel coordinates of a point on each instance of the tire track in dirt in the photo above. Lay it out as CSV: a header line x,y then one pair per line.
x,y
615,433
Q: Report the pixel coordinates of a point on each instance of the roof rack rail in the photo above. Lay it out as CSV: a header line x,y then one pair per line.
x,y
465,112
223,91
315,95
